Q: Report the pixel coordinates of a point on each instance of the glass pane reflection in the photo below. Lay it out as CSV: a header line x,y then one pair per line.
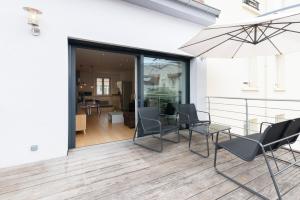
x,y
164,84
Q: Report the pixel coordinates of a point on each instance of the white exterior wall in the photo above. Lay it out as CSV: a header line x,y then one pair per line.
x,y
198,84
34,70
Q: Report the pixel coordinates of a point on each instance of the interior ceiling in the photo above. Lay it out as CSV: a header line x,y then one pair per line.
x,y
102,60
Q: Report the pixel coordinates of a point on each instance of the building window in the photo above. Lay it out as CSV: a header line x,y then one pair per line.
x,y
103,86
254,4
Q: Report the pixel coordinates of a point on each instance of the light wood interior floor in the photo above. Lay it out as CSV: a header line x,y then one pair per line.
x,y
100,130
122,170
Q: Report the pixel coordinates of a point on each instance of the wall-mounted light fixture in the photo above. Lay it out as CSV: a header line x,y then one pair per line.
x,y
33,20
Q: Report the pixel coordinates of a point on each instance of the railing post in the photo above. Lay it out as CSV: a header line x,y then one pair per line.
x,y
247,117
208,101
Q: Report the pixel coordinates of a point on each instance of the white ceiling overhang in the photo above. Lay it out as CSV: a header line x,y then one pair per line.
x,y
188,10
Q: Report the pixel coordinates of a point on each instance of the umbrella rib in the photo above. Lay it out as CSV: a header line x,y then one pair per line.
x,y
263,33
240,46
220,43
276,23
270,41
239,39
209,38
249,33
275,32
283,28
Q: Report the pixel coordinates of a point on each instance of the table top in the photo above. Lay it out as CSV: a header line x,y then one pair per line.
x,y
208,129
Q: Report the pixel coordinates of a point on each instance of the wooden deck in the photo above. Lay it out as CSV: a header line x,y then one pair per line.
x,y
122,170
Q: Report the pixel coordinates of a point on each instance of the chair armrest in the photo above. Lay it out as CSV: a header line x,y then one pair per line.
x,y
261,124
206,113
153,120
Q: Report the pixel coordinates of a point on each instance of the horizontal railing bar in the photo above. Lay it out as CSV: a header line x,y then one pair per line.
x,y
228,111
234,126
226,104
243,113
273,108
262,116
254,99
228,118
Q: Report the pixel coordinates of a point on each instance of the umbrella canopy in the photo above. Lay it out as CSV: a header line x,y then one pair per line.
x,y
273,34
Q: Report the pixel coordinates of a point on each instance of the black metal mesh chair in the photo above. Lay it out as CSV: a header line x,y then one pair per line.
x,y
249,147
188,115
149,123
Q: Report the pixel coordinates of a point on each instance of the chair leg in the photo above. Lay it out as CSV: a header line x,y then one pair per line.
x,y
215,159
231,179
234,181
177,140
207,146
178,136
161,143
241,185
146,147
272,175
190,138
292,151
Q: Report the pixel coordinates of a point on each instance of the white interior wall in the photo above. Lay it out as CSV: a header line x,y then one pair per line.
x,y
34,70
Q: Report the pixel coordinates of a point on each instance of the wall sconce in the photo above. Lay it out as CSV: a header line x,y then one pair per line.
x,y
33,20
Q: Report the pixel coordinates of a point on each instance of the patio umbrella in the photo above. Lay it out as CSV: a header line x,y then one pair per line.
x,y
273,34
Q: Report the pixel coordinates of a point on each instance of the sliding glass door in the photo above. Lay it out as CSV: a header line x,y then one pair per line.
x,y
164,84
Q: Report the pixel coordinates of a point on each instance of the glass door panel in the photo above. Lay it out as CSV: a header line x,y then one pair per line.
x,y
164,84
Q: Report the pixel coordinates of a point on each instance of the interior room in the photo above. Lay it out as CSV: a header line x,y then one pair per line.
x,y
105,97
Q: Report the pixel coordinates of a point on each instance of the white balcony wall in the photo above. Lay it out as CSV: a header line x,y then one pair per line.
x,y
34,70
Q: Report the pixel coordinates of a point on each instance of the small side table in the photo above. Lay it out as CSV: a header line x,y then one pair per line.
x,y
206,130
81,123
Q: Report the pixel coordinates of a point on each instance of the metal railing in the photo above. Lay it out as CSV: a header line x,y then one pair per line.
x,y
246,114
254,4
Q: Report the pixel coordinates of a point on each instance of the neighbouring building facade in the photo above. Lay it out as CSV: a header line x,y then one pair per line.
x,y
272,77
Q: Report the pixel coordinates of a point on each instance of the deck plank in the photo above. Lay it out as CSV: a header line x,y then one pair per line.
x,y
122,170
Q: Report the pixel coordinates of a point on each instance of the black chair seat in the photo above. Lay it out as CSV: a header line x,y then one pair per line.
x,y
149,123
242,148
169,128
164,128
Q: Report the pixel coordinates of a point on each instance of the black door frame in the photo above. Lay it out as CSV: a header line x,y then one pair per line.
x,y
138,53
